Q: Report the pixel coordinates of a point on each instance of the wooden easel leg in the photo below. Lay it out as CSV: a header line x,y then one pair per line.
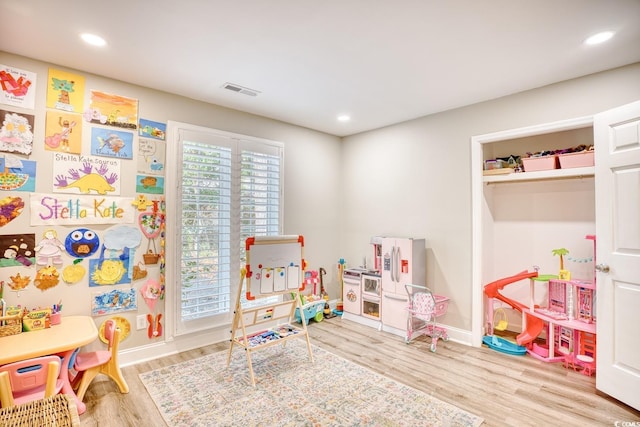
x,y
309,348
253,379
236,315
304,324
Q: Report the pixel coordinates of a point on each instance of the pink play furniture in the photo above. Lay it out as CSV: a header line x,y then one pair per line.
x,y
89,365
29,380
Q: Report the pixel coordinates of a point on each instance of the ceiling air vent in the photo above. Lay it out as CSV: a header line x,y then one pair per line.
x,y
240,89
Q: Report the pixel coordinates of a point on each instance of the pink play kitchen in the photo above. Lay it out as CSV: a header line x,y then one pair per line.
x,y
377,296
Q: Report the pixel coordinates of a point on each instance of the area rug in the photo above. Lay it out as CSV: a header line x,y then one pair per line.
x,y
291,391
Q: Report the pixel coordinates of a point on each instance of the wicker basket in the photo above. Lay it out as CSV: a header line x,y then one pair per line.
x,y
59,410
150,257
10,325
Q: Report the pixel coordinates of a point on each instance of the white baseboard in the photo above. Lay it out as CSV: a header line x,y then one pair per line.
x,y
457,335
176,345
207,337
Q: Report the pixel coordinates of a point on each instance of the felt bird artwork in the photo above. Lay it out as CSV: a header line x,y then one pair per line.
x,y
142,203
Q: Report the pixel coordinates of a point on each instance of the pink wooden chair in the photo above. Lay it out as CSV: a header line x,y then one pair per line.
x,y
29,380
88,365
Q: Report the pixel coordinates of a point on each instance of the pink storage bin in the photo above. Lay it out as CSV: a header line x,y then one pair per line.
x,y
532,164
577,160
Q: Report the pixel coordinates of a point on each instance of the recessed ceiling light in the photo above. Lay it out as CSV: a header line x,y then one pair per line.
x,y
344,118
599,38
93,40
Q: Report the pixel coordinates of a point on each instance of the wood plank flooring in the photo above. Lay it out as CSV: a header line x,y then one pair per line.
x,y
504,390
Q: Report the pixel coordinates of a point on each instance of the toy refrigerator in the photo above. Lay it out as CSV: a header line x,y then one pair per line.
x,y
403,261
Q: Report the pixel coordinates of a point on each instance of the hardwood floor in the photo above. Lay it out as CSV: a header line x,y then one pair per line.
x,y
504,390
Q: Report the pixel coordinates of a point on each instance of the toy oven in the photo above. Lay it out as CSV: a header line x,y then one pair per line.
x,y
371,286
371,293
371,307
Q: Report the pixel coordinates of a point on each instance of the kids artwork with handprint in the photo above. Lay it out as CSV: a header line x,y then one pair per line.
x,y
86,175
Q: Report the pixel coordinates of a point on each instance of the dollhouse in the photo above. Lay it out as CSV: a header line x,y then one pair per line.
x,y
570,322
562,331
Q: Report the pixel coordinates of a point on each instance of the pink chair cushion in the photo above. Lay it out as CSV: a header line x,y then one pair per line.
x,y
91,359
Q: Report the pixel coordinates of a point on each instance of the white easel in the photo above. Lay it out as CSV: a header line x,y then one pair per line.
x,y
276,267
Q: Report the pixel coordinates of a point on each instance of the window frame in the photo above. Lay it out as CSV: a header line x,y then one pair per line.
x,y
174,324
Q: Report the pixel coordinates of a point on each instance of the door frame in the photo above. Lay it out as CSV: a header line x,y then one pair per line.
x,y
477,203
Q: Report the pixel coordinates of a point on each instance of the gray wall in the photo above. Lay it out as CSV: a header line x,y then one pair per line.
x,y
409,179
414,178
312,176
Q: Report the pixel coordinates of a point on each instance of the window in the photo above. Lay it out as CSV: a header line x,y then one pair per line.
x,y
225,188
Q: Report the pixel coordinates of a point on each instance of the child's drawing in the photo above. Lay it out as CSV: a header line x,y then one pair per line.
x,y
10,209
65,91
112,110
107,272
111,143
85,175
113,301
17,87
16,134
149,184
17,250
151,157
17,174
63,132
152,129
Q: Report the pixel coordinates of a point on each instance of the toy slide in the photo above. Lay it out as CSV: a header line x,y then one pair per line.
x,y
534,324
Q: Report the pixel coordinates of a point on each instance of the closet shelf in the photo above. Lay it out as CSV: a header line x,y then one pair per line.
x,y
541,175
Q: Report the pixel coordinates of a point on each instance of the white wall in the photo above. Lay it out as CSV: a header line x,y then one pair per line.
x,y
413,178
311,201
409,179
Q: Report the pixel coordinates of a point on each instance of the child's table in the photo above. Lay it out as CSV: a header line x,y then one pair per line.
x,y
73,332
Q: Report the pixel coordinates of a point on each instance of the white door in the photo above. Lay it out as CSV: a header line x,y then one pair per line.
x,y
617,142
